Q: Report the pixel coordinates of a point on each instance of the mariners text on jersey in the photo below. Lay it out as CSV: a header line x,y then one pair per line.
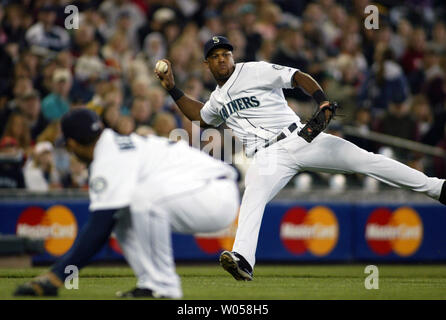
x,y
237,105
251,103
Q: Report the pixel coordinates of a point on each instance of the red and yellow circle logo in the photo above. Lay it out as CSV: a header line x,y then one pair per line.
x,y
57,226
315,231
400,231
214,242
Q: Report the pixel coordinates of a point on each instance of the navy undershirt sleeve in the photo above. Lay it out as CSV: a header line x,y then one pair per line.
x,y
90,240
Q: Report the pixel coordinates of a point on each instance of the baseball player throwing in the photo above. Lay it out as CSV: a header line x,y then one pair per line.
x,y
141,188
249,98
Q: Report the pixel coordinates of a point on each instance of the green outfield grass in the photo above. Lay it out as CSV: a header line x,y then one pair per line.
x,y
283,282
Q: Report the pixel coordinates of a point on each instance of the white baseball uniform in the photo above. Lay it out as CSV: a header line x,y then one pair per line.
x,y
168,186
252,104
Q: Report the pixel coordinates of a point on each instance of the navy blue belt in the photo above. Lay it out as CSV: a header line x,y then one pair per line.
x,y
281,136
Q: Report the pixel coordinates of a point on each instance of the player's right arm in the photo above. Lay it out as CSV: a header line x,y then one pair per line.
x,y
190,107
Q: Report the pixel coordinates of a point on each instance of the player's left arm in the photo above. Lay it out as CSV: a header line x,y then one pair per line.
x,y
323,115
310,86
93,236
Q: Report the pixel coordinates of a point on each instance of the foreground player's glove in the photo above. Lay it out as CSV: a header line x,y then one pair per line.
x,y
319,121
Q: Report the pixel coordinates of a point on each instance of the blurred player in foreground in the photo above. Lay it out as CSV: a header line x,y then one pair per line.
x,y
142,189
249,99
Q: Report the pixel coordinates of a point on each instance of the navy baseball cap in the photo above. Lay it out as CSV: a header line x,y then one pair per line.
x,y
82,125
216,42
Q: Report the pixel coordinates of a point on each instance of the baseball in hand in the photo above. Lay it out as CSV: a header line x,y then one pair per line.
x,y
161,66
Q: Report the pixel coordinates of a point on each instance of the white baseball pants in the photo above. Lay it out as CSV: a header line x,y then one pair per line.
x,y
273,167
145,236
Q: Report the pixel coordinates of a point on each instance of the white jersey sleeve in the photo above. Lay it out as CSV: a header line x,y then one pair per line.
x,y
113,172
273,75
210,113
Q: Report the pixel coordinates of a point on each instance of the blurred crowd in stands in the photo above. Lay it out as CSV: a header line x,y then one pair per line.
x,y
390,80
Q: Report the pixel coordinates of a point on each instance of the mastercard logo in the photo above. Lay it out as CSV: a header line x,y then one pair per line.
x,y
57,226
315,231
210,242
400,231
214,242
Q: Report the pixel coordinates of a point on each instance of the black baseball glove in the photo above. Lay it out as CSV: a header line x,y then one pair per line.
x,y
319,121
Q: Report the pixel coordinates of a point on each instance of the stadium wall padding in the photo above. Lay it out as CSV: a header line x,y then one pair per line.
x,y
291,231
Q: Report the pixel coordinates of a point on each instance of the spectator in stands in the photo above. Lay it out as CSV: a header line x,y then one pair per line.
x,y
21,86
386,80
181,57
164,123
113,9
52,133
401,39
11,161
266,51
114,97
312,21
194,88
110,116
237,38
212,26
14,23
423,115
8,53
31,62
17,128
125,25
21,70
349,47
142,112
247,18
438,42
45,81
77,176
363,121
116,54
139,88
82,37
91,16
159,16
45,35
39,171
57,103
332,28
343,86
101,87
270,16
125,125
145,131
291,49
29,106
292,52
157,98
154,48
412,59
434,87
89,69
398,121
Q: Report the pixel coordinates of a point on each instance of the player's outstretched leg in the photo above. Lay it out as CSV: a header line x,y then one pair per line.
x,y
331,153
268,174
